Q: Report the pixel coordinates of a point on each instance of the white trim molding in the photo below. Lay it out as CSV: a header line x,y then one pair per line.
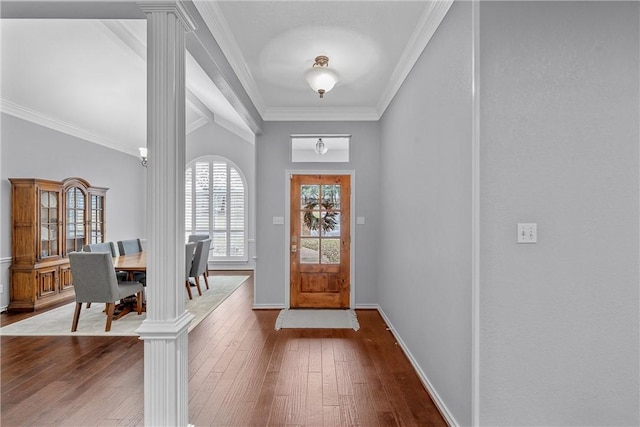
x,y
33,116
426,28
475,216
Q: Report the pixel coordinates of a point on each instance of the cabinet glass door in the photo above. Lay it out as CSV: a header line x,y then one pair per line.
x,y
49,224
75,232
97,219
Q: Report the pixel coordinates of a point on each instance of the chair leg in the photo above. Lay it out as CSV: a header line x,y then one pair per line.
x,y
76,317
139,303
206,279
198,286
88,305
111,307
188,286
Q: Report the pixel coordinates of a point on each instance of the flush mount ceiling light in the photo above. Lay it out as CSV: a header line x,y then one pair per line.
x,y
320,77
320,147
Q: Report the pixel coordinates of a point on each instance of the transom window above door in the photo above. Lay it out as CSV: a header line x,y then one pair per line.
x,y
215,205
320,148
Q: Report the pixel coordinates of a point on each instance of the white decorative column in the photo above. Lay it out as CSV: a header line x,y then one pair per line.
x,y
165,330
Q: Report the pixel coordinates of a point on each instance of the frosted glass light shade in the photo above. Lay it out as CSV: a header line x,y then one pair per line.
x,y
321,148
321,79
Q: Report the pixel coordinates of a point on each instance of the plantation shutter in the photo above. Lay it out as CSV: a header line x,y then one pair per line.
x,y
236,216
188,201
201,210
215,204
220,177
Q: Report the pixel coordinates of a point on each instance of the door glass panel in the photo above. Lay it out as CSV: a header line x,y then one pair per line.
x,y
331,196
309,223
331,224
309,196
331,251
309,251
44,199
45,215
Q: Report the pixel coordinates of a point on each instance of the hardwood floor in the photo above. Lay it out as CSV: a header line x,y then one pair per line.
x,y
241,373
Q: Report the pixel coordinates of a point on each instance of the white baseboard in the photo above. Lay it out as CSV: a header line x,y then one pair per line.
x,y
268,306
444,411
367,307
4,308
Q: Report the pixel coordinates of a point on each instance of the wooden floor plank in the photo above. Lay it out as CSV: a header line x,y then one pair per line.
x,y
242,372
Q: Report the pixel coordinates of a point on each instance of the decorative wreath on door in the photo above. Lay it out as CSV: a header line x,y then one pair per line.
x,y
328,222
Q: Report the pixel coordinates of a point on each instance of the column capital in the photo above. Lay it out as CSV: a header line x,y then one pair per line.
x,y
175,7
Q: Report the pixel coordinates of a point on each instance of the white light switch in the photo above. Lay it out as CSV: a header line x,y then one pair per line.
x,y
527,233
278,220
360,220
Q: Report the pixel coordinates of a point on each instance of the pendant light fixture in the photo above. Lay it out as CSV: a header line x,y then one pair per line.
x,y
320,77
320,147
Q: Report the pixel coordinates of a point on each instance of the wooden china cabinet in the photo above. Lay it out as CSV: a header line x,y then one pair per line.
x,y
49,219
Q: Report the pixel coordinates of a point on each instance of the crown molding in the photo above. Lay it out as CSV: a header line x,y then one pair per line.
x,y
24,113
245,134
217,24
427,26
196,125
321,114
120,32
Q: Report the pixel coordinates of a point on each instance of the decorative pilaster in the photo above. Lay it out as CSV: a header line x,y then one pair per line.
x,y
165,330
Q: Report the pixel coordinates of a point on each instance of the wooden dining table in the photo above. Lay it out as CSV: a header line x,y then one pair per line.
x,y
130,263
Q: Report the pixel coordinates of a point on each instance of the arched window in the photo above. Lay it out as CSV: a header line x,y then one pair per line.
x,y
215,204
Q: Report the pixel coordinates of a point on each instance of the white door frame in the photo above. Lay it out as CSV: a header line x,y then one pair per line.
x,y
287,232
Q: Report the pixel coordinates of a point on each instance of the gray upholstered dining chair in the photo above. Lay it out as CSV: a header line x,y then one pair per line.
x,y
108,247
199,266
94,280
188,261
132,246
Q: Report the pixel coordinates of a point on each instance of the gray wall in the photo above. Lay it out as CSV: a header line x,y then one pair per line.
x,y
424,266
272,161
214,140
559,147
32,151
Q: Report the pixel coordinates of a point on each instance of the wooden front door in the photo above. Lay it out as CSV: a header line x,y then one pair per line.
x,y
320,241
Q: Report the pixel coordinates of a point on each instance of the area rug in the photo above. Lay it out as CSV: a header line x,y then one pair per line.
x,y
92,320
312,318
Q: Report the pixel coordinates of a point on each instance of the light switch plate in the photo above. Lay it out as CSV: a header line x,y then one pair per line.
x,y
360,220
527,232
278,220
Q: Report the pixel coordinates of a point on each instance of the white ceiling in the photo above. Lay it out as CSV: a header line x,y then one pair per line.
x,y
88,77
